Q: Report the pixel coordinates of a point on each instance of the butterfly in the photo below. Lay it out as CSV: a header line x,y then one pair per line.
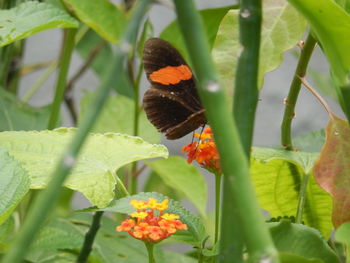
x,y
171,104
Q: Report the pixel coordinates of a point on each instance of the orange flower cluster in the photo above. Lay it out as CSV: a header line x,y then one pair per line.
x,y
204,151
149,223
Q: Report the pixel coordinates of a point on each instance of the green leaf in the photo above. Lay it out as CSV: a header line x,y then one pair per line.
x,y
184,178
156,184
301,240
282,28
16,115
147,32
102,16
291,258
322,16
304,159
61,236
95,169
29,18
196,230
118,116
14,184
333,168
211,19
343,234
87,43
277,183
311,142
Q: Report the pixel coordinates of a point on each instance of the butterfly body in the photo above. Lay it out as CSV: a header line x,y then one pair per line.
x,y
172,104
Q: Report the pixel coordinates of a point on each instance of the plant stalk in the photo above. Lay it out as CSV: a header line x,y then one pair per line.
x,y
290,101
89,237
302,198
218,177
149,247
136,85
47,198
233,159
246,88
66,53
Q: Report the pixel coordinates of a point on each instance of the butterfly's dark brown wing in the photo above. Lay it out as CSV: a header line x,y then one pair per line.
x,y
172,103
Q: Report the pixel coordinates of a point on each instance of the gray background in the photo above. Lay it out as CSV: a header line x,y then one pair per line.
x,y
310,115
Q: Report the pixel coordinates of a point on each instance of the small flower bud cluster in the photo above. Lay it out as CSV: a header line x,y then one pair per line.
x,y
149,223
204,151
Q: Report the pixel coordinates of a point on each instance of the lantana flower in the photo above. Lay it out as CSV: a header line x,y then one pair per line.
x,y
149,223
204,151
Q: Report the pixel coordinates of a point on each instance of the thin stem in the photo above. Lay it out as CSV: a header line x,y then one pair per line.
x,y
233,158
218,177
46,200
149,247
290,101
68,98
318,96
302,198
67,50
90,237
51,69
25,70
134,180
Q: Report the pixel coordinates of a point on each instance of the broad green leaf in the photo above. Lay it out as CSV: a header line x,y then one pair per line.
x,y
282,28
118,116
61,236
277,183
184,178
14,184
322,16
95,169
196,230
311,142
102,16
292,258
304,159
332,169
343,234
29,18
16,115
211,19
301,240
156,184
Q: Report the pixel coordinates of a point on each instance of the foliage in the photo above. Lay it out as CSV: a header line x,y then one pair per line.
x,y
308,185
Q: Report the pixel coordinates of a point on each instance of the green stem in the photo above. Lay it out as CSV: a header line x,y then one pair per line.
x,y
47,198
90,237
133,179
300,71
67,50
246,88
149,247
51,69
302,198
218,177
233,159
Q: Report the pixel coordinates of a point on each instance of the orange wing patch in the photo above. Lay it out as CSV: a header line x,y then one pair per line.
x,y
171,75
